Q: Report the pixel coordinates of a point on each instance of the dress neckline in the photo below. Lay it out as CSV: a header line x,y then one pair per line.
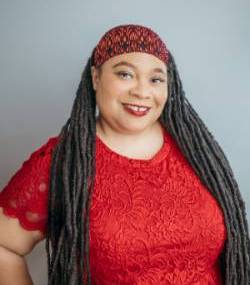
x,y
110,154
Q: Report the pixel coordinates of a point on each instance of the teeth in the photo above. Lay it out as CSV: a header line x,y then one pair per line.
x,y
136,108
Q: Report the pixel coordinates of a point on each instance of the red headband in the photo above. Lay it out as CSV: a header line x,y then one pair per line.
x,y
129,38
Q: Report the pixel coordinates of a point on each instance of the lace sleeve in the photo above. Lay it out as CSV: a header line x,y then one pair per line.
x,y
25,195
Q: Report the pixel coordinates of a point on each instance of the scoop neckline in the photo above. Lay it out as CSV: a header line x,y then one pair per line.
x,y
116,157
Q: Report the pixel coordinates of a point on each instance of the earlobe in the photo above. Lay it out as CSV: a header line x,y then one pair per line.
x,y
94,77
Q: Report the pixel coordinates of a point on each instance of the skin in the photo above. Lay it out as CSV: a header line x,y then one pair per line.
x,y
135,137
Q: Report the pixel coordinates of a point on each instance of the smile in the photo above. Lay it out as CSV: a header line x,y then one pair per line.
x,y
136,110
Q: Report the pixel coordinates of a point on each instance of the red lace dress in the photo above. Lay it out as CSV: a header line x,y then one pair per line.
x,y
152,222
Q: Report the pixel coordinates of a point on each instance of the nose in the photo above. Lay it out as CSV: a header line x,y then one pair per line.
x,y
140,90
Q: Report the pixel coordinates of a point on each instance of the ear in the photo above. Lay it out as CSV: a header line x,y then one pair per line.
x,y
95,76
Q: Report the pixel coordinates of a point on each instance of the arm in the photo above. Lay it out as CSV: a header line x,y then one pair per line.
x,y
15,243
23,221
13,267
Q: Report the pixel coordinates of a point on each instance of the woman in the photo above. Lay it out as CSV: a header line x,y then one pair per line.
x,y
135,189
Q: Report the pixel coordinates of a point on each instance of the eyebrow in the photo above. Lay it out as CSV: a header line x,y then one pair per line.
x,y
157,69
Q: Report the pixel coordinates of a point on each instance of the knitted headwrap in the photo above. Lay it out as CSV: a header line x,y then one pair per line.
x,y
129,38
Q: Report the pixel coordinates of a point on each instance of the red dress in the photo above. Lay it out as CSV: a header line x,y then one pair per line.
x,y
152,222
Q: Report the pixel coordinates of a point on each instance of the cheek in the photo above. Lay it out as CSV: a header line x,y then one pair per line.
x,y
161,99
118,88
109,97
114,89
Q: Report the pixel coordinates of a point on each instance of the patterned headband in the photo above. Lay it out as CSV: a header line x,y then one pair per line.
x,y
129,38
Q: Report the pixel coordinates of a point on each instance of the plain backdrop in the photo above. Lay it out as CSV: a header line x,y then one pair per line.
x,y
45,46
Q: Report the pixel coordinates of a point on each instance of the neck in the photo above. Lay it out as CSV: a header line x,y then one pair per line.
x,y
124,136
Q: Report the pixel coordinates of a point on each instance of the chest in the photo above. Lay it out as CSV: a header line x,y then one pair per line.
x,y
162,216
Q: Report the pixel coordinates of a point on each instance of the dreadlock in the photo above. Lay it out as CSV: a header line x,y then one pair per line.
x,y
73,174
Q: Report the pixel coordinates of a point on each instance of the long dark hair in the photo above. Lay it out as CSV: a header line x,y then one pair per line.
x,y
73,173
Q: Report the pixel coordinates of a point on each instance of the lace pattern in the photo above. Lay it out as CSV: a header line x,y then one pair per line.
x,y
25,195
151,221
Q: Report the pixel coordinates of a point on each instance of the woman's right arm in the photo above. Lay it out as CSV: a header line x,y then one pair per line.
x,y
13,268
23,214
15,244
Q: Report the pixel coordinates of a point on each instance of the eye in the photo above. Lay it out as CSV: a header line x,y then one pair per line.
x,y
123,74
160,79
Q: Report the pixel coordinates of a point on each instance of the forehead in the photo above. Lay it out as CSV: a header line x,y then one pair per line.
x,y
136,60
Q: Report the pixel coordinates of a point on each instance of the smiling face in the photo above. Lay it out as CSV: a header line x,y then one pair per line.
x,y
131,78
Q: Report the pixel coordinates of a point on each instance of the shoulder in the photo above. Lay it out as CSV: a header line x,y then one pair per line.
x,y
23,201
47,147
41,155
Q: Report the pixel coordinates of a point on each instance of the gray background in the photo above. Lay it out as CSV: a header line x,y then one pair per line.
x,y
45,45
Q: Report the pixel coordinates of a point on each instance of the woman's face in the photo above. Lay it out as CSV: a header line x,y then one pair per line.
x,y
132,78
